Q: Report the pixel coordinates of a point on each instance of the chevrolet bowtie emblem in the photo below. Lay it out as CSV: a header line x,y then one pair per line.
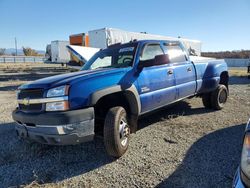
x,y
26,101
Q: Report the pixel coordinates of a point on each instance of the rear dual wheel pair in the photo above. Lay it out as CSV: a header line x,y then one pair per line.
x,y
216,99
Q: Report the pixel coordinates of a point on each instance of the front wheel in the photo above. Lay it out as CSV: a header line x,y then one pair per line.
x,y
219,97
116,131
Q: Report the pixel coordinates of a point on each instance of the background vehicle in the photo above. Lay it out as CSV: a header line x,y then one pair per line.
x,y
104,37
113,89
242,176
59,53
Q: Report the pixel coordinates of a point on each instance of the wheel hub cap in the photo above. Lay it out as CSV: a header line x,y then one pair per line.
x,y
124,132
223,97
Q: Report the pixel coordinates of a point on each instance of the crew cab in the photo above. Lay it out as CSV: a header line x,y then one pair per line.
x,y
116,86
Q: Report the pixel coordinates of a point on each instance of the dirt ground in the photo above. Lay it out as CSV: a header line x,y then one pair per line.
x,y
184,145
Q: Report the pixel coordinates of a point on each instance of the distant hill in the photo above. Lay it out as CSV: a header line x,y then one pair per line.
x,y
9,51
238,54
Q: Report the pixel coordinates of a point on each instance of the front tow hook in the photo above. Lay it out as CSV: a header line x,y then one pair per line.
x,y
22,133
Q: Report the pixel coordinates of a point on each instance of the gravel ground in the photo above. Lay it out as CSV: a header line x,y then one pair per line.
x,y
184,145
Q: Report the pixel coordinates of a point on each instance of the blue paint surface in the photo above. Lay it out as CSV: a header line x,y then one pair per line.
x,y
154,85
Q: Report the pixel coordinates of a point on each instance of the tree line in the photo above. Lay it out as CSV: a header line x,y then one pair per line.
x,y
27,51
241,54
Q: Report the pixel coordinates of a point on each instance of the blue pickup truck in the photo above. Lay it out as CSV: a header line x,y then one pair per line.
x,y
112,90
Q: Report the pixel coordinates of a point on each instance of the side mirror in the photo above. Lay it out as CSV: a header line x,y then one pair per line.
x,y
145,63
158,60
161,59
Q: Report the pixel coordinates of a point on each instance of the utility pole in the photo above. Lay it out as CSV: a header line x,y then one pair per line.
x,y
16,46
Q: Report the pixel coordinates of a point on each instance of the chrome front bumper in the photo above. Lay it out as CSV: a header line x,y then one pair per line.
x,y
56,128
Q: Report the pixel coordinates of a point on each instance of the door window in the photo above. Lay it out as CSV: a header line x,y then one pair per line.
x,y
175,53
150,51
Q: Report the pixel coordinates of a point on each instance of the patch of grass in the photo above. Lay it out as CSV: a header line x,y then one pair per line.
x,y
29,64
238,72
4,66
30,67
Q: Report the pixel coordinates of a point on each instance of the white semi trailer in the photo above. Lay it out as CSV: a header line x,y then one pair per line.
x,y
102,38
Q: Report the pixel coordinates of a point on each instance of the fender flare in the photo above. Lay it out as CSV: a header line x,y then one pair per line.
x,y
131,94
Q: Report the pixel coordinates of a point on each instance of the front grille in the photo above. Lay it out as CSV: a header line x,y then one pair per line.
x,y
31,94
31,107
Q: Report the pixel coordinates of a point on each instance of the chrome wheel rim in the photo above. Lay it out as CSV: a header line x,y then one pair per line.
x,y
124,132
222,97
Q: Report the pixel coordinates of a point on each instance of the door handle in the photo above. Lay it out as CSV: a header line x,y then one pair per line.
x,y
189,69
170,71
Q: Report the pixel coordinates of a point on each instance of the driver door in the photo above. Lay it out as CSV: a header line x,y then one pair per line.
x,y
156,84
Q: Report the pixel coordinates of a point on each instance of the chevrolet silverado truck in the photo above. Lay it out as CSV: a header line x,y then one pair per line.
x,y
116,86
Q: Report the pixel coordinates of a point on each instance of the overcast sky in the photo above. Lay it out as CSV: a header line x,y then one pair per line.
x,y
219,24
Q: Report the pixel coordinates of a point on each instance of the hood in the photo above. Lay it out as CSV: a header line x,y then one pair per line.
x,y
62,79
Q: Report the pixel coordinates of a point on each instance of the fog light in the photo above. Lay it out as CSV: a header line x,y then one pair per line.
x,y
69,127
57,140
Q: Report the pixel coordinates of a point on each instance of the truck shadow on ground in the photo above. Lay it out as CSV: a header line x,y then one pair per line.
x,y
22,163
211,161
181,108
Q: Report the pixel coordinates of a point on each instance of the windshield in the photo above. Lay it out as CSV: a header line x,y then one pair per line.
x,y
113,57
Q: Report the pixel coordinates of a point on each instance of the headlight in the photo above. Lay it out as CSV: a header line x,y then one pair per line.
x,y
57,106
58,91
245,156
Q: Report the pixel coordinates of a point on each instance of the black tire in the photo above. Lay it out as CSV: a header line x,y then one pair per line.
x,y
206,99
219,97
114,136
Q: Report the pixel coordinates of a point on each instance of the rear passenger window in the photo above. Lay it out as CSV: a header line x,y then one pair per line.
x,y
175,53
125,60
150,51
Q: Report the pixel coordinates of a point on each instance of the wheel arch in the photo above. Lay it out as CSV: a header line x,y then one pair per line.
x,y
109,97
224,78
